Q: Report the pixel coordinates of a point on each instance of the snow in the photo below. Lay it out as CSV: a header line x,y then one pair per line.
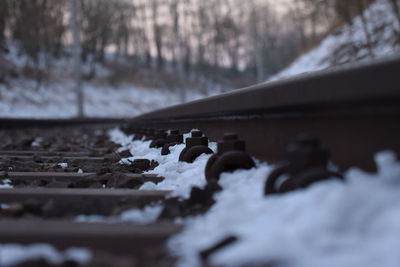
x,y
5,183
63,165
12,254
145,216
333,223
37,142
4,206
337,48
179,176
55,97
57,100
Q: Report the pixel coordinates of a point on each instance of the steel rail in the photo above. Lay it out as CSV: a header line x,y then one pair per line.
x,y
354,109
96,200
124,238
67,176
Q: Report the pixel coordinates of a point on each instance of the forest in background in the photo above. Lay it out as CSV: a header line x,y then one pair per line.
x,y
173,43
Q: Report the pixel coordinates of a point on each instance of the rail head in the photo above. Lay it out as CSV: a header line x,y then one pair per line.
x,y
367,84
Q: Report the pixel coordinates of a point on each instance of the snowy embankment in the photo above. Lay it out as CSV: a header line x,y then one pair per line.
x,y
348,43
331,223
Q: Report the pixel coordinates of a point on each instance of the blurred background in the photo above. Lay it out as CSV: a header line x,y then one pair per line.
x,y
120,58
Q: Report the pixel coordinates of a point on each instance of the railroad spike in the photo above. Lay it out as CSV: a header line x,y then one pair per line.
x,y
196,145
144,164
159,139
306,163
230,156
200,201
173,138
139,134
149,134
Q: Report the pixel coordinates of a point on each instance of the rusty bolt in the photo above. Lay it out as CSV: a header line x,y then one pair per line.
x,y
160,134
149,134
197,139
230,142
175,137
231,156
196,145
306,152
306,163
139,133
160,139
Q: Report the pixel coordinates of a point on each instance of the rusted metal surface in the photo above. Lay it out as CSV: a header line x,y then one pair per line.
x,y
353,139
230,155
86,201
79,180
47,153
120,238
54,158
306,162
354,110
196,145
81,195
65,176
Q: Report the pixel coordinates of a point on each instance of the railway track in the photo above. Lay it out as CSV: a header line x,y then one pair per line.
x,y
71,171
55,172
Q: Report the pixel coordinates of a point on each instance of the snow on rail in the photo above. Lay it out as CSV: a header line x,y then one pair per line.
x,y
331,223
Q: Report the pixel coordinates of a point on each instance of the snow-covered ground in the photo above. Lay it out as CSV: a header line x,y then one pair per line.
x,y
331,223
56,97
57,100
348,43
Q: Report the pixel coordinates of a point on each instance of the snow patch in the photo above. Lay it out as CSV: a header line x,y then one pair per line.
x,y
6,183
145,216
37,141
63,165
180,177
12,254
331,223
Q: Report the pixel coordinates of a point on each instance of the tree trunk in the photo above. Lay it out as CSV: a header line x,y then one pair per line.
x,y
362,7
